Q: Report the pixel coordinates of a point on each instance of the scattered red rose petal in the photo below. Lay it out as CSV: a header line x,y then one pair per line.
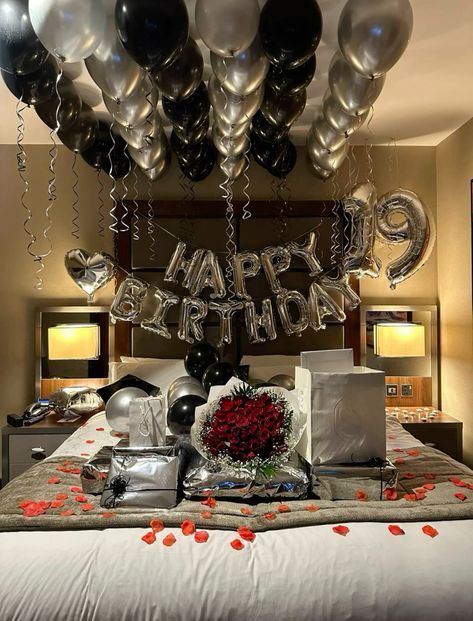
x,y
24,503
85,454
67,513
149,538
99,429
460,496
107,514
169,540
246,533
269,516
469,485
102,475
76,490
408,475
206,515
57,504
237,544
89,441
398,450
246,511
410,497
460,483
62,469
430,475
312,508
454,479
430,531
413,453
399,461
209,502
395,530
80,498
188,527
87,506
390,493
54,480
391,437
75,470
201,536
156,525
361,495
341,530
429,486
67,462
284,508
420,496
118,434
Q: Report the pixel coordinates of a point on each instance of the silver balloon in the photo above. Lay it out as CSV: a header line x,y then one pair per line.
x,y
150,156
340,281
325,135
256,322
89,272
320,172
289,324
70,29
182,77
374,35
128,302
193,312
283,380
190,387
308,252
229,129
321,305
245,265
417,228
325,159
275,260
136,109
111,68
338,119
208,274
227,27
229,146
234,109
180,263
143,135
232,167
243,73
360,204
354,92
225,310
160,169
164,301
76,401
117,408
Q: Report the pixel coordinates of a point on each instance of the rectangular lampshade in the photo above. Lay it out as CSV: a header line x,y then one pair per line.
x,y
399,340
74,342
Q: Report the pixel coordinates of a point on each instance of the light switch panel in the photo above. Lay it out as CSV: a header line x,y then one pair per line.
x,y
406,390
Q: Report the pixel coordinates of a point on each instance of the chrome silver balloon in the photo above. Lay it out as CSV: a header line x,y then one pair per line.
x,y
232,130
320,172
190,387
326,135
75,401
150,156
136,109
232,167
234,109
117,408
354,92
341,122
229,146
328,160
160,169
89,272
145,134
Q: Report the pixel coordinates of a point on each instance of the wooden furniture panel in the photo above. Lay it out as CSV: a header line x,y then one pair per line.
x,y
421,391
22,448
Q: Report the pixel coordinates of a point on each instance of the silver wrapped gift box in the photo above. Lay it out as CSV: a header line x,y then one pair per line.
x,y
346,481
142,477
203,479
95,470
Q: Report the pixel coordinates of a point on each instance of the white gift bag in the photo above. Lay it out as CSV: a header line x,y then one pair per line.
x,y
147,422
346,420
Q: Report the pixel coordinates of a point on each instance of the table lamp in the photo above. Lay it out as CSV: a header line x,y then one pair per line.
x,y
399,340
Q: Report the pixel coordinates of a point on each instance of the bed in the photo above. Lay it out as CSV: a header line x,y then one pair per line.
x,y
311,572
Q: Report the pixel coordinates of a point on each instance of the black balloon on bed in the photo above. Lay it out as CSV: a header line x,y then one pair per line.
x,y
181,414
217,374
199,357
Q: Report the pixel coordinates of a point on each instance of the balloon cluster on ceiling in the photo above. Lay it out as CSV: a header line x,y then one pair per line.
x,y
262,62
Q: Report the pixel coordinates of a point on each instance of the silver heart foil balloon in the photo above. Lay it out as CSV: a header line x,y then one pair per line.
x,y
89,272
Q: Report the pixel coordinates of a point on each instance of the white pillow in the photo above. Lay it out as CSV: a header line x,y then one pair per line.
x,y
159,372
135,359
266,367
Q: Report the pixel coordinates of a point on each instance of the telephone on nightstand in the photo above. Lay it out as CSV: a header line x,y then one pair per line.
x,y
33,414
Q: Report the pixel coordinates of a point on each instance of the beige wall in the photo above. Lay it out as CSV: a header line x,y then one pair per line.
x,y
454,174
20,299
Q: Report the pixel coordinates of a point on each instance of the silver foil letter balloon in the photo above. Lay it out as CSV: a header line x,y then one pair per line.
x,y
255,322
180,263
291,325
275,260
128,302
165,299
320,305
193,311
226,310
307,252
360,204
341,282
417,228
245,265
207,274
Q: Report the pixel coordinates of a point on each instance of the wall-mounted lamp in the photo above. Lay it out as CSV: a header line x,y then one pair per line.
x,y
399,340
74,342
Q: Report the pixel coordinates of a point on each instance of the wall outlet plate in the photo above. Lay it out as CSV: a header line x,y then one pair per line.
x,y
391,390
406,390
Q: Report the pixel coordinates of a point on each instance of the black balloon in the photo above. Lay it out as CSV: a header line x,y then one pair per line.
x,y
20,49
69,107
217,374
262,151
107,154
154,32
189,113
180,79
33,88
283,161
81,136
290,31
199,357
283,109
188,154
194,135
291,80
266,131
202,166
181,414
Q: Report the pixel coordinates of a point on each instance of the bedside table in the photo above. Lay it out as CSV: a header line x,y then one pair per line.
x,y
23,447
442,432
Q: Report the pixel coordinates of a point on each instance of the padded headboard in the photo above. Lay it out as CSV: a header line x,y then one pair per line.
x,y
202,223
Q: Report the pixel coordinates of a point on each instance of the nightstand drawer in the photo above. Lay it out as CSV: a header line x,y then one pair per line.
x,y
31,448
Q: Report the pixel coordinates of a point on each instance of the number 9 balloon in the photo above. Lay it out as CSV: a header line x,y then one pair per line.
x,y
417,229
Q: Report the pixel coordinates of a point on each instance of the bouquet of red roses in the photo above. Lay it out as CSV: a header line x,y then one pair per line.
x,y
248,428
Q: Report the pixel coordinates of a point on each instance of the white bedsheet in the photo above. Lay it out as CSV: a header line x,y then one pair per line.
x,y
299,574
